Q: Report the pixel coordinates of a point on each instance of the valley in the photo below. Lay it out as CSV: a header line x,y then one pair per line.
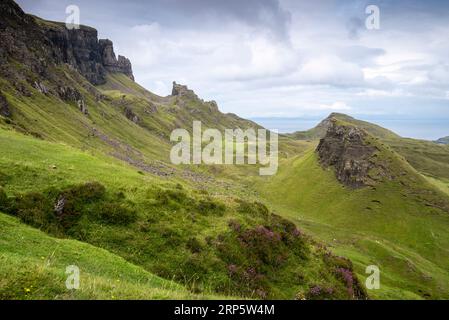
x,y
86,179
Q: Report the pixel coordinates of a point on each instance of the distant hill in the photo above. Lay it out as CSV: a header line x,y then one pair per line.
x,y
319,131
427,157
444,140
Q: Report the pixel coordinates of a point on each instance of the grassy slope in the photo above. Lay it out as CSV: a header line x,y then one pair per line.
x,y
34,265
180,236
427,157
385,226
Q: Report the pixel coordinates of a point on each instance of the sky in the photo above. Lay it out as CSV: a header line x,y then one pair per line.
x,y
285,58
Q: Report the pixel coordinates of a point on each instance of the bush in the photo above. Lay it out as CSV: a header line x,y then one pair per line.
x,y
173,198
194,245
254,209
85,193
318,292
209,206
71,203
4,201
33,208
117,213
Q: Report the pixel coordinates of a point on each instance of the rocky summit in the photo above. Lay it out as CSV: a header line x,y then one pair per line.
x,y
38,43
345,148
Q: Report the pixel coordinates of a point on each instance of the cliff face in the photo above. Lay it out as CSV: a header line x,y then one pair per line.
x,y
38,43
345,149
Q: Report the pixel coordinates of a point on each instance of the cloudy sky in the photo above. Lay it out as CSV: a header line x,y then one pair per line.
x,y
285,58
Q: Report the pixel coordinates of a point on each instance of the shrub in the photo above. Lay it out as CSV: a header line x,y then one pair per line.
x,y
4,201
209,206
194,245
254,208
72,203
173,198
317,292
117,213
33,208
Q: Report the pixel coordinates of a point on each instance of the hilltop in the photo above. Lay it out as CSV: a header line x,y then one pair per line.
x,y
425,156
444,140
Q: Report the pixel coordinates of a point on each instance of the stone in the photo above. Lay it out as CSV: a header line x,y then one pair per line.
x,y
131,115
345,149
41,87
182,91
59,206
69,94
82,107
111,63
5,110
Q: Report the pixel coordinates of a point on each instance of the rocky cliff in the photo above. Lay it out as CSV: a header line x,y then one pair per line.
x,y
346,149
182,91
37,44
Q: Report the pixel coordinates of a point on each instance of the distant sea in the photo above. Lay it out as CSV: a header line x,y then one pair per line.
x,y
427,129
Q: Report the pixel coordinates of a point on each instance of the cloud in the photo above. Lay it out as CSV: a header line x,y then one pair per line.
x,y
336,106
281,57
331,70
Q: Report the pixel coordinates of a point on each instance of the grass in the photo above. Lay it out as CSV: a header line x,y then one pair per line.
x,y
173,231
384,225
202,228
34,268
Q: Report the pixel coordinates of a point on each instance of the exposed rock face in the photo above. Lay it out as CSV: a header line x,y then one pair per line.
x,y
79,48
5,111
182,91
345,149
129,113
111,63
69,94
82,106
37,43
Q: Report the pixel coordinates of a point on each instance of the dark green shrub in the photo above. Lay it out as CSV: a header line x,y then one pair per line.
x,y
172,198
194,245
73,202
117,213
88,192
209,206
253,208
33,208
4,201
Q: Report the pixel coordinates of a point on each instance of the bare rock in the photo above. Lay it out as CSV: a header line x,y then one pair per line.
x,y
345,148
182,91
129,113
82,107
5,110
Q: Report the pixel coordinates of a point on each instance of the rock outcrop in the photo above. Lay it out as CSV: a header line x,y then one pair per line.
x,y
182,91
345,148
38,44
111,63
5,111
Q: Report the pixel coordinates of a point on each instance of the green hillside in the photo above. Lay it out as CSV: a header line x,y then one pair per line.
x,y
395,224
85,179
34,266
427,157
210,243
